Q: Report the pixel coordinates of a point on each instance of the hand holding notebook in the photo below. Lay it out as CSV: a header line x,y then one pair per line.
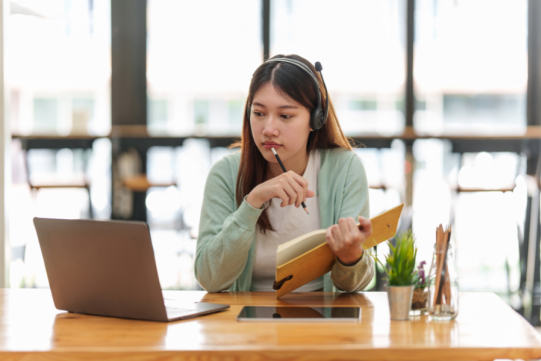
x,y
346,238
308,257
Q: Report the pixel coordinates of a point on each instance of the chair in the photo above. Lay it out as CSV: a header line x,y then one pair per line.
x,y
35,186
130,186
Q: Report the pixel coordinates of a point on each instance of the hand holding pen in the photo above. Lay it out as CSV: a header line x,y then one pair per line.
x,y
285,171
290,187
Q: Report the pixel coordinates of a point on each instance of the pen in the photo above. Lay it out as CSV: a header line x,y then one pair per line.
x,y
284,169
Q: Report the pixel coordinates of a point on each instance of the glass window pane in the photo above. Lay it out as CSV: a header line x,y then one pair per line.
x,y
58,66
360,45
201,56
470,65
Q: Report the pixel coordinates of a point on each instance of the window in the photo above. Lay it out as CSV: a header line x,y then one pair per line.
x,y
360,45
58,66
200,83
471,65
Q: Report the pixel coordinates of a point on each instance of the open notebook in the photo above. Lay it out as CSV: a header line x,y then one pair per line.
x,y
308,257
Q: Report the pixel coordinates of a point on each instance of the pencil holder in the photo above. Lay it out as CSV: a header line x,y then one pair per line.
x,y
443,284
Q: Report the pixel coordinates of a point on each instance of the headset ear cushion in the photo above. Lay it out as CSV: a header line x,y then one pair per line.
x,y
313,119
316,120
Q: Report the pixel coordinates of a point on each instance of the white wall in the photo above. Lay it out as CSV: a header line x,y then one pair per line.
x,y
5,166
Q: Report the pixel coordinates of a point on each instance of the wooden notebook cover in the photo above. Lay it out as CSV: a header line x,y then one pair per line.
x,y
319,260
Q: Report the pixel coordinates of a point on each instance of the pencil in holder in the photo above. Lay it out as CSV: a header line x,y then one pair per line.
x,y
443,280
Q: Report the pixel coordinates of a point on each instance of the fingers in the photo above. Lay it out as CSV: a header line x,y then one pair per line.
x,y
345,245
359,237
346,240
303,183
337,234
344,228
366,226
330,239
291,188
352,226
351,236
291,194
299,190
283,196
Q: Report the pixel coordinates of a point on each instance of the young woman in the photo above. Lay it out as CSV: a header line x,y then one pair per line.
x,y
251,206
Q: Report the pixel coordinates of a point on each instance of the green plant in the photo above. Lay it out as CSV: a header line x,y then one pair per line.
x,y
400,268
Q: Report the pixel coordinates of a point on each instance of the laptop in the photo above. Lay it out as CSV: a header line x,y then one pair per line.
x,y
107,268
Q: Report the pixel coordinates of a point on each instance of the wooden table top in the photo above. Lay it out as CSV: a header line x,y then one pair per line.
x,y
486,329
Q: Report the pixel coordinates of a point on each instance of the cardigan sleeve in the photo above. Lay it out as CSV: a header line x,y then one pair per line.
x,y
225,233
355,203
353,278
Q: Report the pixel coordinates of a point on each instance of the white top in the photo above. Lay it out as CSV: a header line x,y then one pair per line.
x,y
289,223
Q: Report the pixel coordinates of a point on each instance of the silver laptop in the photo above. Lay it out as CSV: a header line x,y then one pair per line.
x,y
107,268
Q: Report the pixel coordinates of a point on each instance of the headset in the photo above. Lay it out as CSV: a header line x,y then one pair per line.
x,y
318,117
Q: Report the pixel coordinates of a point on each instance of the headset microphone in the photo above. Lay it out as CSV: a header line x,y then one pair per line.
x,y
319,68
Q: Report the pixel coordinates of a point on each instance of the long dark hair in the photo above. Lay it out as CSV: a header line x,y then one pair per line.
x,y
296,84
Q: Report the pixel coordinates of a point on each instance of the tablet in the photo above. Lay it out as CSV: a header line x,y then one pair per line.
x,y
303,314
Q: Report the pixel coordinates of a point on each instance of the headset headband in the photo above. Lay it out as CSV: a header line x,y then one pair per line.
x,y
297,63
318,116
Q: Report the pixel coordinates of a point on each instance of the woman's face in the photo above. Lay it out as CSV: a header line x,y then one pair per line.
x,y
280,123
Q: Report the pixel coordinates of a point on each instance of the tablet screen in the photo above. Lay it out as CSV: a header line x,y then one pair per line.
x,y
255,313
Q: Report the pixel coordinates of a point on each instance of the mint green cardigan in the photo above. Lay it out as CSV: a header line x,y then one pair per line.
x,y
226,244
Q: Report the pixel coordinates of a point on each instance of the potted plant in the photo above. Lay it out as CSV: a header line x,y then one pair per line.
x,y
401,275
419,303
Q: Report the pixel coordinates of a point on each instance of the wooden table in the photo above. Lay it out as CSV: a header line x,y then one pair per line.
x,y
486,329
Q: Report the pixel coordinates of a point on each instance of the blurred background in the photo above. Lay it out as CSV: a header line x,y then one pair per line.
x,y
119,108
